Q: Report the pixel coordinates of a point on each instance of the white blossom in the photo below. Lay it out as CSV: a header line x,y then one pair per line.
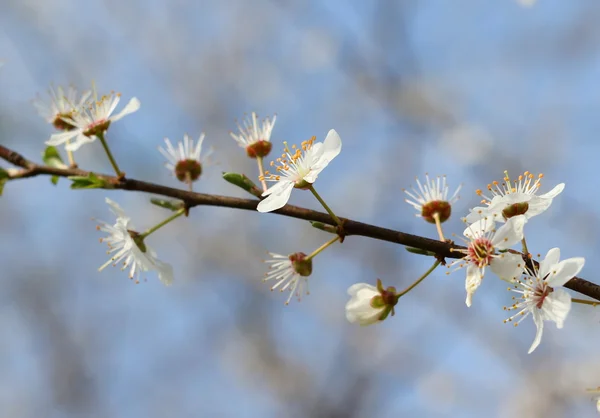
x,y
483,244
251,131
60,105
290,273
359,308
541,293
185,162
518,198
124,248
432,197
299,168
92,120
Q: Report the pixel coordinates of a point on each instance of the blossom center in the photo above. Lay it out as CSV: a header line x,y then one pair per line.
x,y
301,264
441,207
60,124
259,149
480,252
540,292
97,128
188,170
515,209
526,183
294,164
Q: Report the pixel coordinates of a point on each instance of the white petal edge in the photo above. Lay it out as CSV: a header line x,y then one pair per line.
x,y
133,106
276,200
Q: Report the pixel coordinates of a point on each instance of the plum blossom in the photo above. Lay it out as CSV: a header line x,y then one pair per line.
x,y
298,168
541,293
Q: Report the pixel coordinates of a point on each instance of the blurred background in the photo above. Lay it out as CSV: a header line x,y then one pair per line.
x,y
466,88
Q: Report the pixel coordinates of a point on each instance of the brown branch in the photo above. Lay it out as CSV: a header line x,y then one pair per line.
x,y
191,199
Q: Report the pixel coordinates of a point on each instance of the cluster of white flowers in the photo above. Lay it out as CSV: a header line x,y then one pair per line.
x,y
491,233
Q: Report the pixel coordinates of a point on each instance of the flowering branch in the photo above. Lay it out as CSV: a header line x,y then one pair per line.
x,y
191,199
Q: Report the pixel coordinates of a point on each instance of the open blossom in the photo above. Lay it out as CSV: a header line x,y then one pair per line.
x,y
299,168
520,197
431,199
541,295
60,105
290,272
255,137
92,120
483,244
185,161
127,248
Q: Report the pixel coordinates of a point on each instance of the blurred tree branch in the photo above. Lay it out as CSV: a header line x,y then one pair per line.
x,y
191,199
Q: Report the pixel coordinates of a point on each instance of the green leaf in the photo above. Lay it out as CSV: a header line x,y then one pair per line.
x,y
91,181
419,251
324,227
52,158
173,205
242,181
3,179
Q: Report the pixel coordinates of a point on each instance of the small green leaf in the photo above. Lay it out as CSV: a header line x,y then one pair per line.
x,y
52,158
242,181
419,251
324,227
173,205
91,181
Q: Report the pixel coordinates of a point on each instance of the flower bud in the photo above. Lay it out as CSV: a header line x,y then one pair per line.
x,y
369,304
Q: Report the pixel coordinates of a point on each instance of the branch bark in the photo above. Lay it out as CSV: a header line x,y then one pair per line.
x,y
192,199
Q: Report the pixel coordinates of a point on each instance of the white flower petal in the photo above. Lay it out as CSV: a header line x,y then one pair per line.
x,y
508,266
474,277
539,323
277,198
355,288
332,145
552,257
132,106
556,307
61,138
564,271
510,233
79,141
554,192
476,214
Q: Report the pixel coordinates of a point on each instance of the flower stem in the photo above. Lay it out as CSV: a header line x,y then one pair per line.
x,y
72,163
322,202
109,154
419,280
586,302
163,223
438,226
261,172
524,244
322,247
